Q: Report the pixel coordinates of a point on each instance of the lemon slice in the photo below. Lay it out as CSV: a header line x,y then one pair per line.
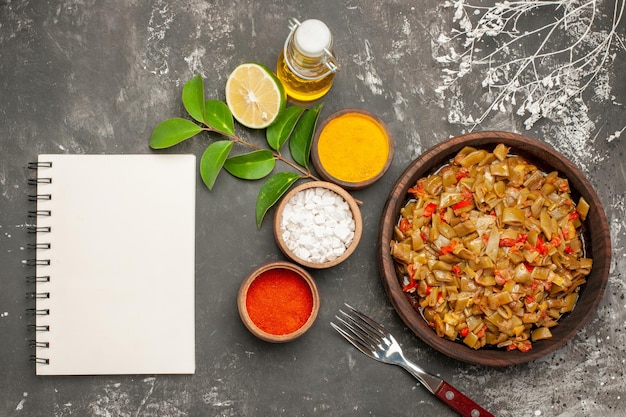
x,y
254,95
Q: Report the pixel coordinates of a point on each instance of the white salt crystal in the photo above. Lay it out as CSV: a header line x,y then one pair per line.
x,y
328,200
342,233
301,253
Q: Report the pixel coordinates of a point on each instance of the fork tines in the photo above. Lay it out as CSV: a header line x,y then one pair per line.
x,y
361,331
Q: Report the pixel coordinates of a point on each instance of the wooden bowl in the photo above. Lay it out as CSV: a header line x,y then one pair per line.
x,y
256,328
597,240
356,216
343,150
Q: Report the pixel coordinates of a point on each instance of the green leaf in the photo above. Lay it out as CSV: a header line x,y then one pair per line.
x,y
300,141
271,191
212,161
251,166
219,117
278,133
172,131
193,98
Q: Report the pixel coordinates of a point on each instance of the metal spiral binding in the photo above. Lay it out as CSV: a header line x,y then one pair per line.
x,y
33,295
35,181
38,311
32,279
39,164
36,197
35,229
38,246
37,262
36,328
35,279
39,213
35,359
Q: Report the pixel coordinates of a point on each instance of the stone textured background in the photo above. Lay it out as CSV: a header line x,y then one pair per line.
x,y
84,76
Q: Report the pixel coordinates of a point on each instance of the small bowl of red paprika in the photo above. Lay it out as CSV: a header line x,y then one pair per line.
x,y
278,302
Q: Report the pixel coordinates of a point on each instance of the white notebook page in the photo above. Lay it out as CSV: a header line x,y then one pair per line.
x,y
122,264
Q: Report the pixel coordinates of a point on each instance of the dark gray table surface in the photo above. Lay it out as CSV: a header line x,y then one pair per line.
x,y
96,77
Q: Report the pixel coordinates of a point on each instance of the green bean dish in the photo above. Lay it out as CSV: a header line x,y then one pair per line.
x,y
490,249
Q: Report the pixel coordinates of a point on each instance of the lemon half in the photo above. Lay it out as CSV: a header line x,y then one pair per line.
x,y
254,95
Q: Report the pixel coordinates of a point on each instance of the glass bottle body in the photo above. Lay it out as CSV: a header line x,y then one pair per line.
x,y
301,89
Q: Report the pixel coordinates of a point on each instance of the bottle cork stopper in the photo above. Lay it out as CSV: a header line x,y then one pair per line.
x,y
312,37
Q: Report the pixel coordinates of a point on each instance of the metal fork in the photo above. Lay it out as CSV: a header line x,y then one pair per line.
x,y
375,341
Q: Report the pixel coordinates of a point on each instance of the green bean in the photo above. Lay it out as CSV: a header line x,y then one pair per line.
x,y
472,158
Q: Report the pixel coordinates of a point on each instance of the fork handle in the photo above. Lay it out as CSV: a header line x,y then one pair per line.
x,y
459,401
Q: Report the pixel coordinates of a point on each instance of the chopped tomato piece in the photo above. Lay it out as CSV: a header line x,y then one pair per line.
x,y
461,204
541,248
430,209
411,270
448,248
418,189
482,331
500,278
507,242
467,193
404,225
534,287
461,173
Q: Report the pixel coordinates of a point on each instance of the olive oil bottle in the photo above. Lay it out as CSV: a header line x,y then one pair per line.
x,y
307,65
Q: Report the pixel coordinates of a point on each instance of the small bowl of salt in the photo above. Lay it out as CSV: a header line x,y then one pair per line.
x,y
318,224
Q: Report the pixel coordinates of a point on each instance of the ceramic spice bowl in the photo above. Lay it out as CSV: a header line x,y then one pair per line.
x,y
317,224
352,148
278,302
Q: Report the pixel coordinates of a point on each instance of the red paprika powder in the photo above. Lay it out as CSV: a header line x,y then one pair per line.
x,y
279,301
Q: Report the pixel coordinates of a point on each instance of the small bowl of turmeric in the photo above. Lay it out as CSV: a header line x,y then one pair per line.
x,y
278,301
352,148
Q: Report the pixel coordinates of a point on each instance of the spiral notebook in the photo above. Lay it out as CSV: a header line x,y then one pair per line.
x,y
115,264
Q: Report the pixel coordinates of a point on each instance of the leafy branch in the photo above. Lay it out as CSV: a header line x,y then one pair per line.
x,y
295,125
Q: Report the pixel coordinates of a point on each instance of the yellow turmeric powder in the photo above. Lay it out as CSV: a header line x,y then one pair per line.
x,y
353,147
